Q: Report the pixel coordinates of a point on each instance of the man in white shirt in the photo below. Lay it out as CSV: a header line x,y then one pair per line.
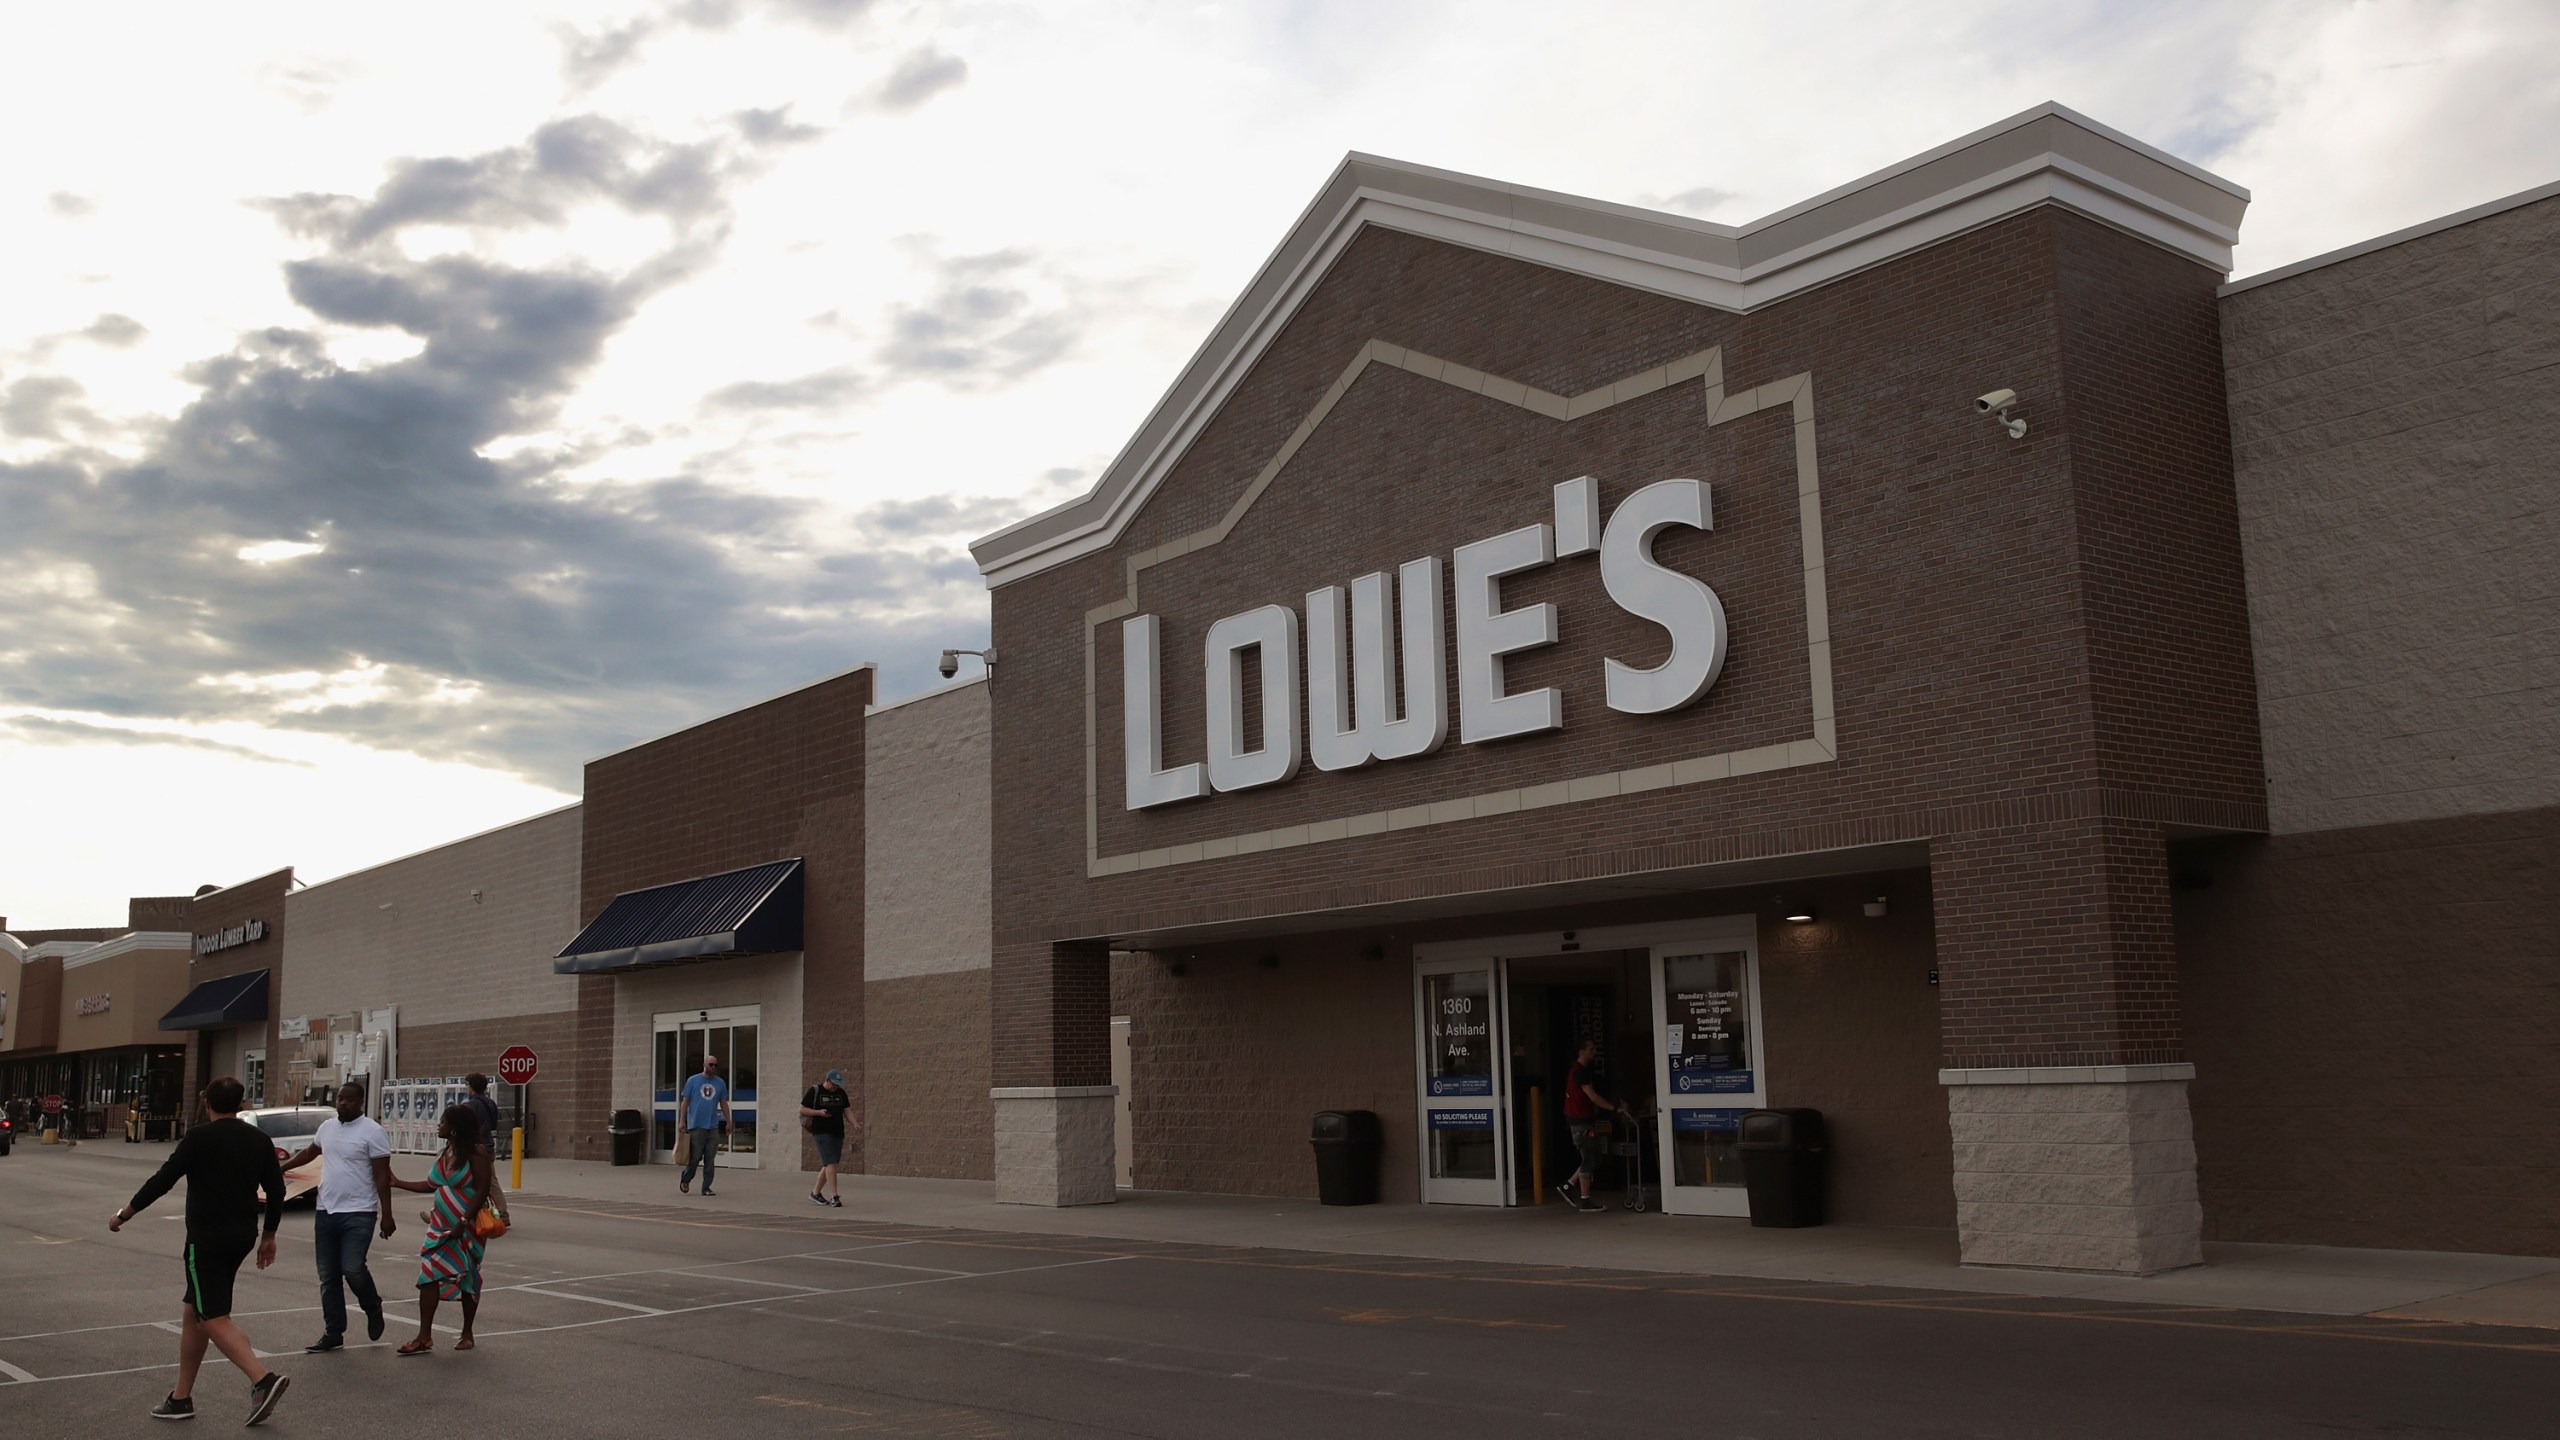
x,y
355,1191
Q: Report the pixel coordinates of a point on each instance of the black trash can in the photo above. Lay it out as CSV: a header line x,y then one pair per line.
x,y
1348,1144
1783,1156
629,1132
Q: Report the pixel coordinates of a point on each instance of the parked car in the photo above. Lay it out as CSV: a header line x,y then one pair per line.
x,y
291,1128
8,1135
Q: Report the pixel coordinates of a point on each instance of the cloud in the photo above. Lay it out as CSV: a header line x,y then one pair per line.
x,y
118,331
964,516
1703,200
55,730
570,162
819,390
919,77
981,323
70,206
313,546
589,58
36,407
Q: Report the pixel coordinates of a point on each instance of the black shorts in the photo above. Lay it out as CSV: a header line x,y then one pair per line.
x,y
211,1267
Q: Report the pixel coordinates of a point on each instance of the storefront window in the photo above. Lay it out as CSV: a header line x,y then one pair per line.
x,y
1460,1022
1707,1013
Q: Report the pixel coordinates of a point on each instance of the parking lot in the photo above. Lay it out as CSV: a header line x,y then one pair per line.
x,y
622,1318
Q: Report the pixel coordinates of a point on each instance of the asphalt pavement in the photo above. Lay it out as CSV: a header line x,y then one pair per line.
x,y
634,1317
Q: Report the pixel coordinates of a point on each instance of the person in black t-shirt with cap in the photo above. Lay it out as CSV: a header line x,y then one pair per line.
x,y
826,1107
227,1164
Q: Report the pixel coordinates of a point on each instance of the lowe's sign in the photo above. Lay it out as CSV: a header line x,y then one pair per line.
x,y
1396,625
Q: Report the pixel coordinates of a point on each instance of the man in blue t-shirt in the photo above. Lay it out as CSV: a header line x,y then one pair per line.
x,y
703,1109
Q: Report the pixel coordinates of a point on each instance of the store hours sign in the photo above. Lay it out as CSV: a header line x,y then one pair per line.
x,y
1358,639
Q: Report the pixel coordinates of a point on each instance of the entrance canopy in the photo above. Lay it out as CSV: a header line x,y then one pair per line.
x,y
755,911
1627,888
215,1004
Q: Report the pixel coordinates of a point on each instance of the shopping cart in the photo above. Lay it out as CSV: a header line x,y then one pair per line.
x,y
1631,1140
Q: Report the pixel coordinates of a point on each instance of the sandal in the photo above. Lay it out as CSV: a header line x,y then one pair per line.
x,y
466,1343
423,1345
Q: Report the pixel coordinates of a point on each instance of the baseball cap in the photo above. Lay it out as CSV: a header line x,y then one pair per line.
x,y
835,1077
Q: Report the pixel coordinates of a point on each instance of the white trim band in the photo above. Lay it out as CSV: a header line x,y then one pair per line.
x,y
2070,1075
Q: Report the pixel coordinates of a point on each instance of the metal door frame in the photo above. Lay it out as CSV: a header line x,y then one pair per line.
x,y
1463,960
742,1113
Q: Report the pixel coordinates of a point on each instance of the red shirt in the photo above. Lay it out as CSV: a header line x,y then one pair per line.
x,y
1577,1098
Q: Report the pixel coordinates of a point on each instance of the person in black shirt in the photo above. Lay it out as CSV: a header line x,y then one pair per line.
x,y
227,1165
824,1107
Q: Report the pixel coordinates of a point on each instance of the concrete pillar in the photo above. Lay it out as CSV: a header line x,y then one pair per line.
x,y
1054,1115
2063,1052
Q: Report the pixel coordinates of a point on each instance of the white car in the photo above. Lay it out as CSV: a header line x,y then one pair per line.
x,y
290,1129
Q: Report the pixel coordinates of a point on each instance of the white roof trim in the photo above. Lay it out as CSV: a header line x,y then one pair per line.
x,y
2047,156
126,944
2418,231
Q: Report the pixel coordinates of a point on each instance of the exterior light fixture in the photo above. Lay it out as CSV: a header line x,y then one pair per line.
x,y
1796,912
1875,908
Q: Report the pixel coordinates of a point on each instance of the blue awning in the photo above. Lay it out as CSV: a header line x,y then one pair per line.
x,y
755,911
231,1000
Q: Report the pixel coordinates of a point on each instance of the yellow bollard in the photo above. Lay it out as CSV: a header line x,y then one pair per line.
x,y
1537,1148
515,1162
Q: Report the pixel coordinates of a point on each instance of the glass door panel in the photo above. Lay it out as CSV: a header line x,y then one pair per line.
x,y
1464,1065
678,1043
1706,1009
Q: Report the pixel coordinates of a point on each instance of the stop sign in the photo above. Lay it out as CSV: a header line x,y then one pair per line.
x,y
53,1104
517,1065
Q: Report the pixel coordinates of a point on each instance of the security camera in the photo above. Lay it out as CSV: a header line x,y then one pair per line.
x,y
1998,403
949,664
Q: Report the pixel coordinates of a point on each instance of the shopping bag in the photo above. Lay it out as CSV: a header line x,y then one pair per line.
x,y
684,1147
488,1224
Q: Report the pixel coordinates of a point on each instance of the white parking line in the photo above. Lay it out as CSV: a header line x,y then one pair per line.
x,y
592,1300
13,1372
640,1312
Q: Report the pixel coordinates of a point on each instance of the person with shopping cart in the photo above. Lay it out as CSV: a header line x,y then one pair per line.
x,y
1584,1109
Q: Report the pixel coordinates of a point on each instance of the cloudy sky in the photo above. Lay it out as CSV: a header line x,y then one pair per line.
x,y
400,406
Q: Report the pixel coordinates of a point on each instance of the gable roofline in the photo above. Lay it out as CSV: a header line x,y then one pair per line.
x,y
2049,155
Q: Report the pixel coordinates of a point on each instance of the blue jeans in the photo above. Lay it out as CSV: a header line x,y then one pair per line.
x,y
340,1241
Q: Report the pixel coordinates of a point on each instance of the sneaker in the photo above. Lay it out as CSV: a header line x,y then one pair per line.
x,y
1565,1189
323,1345
1591,1206
836,1200
817,1199
373,1323
263,1397
174,1408
706,1192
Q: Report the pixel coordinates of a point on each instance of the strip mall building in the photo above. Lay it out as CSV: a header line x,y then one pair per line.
x,y
1939,655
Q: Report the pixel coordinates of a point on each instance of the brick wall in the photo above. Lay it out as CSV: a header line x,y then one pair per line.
x,y
775,780
463,1046
925,1071
2034,634
2370,1010
1229,1060
259,899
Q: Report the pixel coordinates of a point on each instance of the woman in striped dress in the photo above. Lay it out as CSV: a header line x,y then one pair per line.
x,y
463,1180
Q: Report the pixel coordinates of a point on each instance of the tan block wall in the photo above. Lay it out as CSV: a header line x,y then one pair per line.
x,y
2394,429
141,985
926,1079
410,934
926,809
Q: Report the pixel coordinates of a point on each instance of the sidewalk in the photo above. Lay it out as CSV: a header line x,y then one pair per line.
x,y
2474,1289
